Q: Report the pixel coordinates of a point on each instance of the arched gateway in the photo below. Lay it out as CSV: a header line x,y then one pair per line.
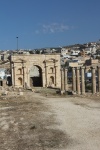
x,y
35,70
36,76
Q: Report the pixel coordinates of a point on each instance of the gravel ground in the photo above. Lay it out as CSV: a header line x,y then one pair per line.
x,y
79,118
37,122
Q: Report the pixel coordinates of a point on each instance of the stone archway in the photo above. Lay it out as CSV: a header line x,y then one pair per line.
x,y
36,76
46,66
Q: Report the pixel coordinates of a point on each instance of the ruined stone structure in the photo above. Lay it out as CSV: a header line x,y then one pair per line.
x,y
79,80
44,71
35,70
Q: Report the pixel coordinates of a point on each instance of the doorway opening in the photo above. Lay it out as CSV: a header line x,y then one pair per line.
x,y
9,82
36,76
1,83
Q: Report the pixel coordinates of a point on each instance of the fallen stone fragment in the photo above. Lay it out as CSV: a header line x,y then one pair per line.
x,y
20,93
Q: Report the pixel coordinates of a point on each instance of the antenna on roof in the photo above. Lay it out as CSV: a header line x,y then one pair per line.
x,y
17,42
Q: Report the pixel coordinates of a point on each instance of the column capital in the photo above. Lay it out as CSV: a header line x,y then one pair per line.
x,y
66,69
61,69
77,68
23,66
93,67
82,67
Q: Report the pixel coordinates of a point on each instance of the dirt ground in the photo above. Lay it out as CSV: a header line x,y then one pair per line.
x,y
46,121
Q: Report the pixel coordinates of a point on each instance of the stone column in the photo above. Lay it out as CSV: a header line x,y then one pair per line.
x,y
46,75
65,79
73,80
82,81
12,74
26,80
93,81
62,80
98,78
78,80
28,77
55,76
43,78
23,67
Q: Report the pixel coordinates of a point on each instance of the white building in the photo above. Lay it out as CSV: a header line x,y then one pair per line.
x,y
64,51
75,52
2,73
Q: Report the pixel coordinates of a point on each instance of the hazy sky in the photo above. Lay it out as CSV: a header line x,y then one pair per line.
x,y
48,23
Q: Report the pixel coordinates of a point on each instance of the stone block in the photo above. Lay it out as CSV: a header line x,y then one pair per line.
x,y
20,93
5,93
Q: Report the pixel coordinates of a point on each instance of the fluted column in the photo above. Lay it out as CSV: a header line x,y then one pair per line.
x,y
12,75
43,78
23,76
62,79
93,81
46,75
73,79
98,78
65,79
28,77
55,76
78,80
82,81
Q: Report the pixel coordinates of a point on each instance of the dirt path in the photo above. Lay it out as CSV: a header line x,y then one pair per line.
x,y
25,122
34,122
80,120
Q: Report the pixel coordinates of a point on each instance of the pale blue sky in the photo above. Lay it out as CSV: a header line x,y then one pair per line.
x,y
48,23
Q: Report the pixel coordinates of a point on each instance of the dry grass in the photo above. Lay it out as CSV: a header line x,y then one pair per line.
x,y
30,122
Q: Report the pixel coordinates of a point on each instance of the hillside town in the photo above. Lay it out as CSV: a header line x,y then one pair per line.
x,y
77,55
50,98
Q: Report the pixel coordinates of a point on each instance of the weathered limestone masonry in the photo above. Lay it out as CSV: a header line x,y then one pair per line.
x,y
44,71
73,79
62,81
93,80
36,70
78,80
98,78
82,80
65,79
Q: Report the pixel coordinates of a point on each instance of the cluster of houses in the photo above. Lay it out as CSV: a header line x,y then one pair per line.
x,y
81,55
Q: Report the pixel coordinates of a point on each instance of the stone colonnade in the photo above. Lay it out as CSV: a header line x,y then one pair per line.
x,y
78,80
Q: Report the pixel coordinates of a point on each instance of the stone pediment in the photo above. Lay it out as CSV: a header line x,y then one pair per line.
x,y
19,61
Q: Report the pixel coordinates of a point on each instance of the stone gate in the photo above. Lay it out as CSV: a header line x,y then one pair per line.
x,y
35,70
